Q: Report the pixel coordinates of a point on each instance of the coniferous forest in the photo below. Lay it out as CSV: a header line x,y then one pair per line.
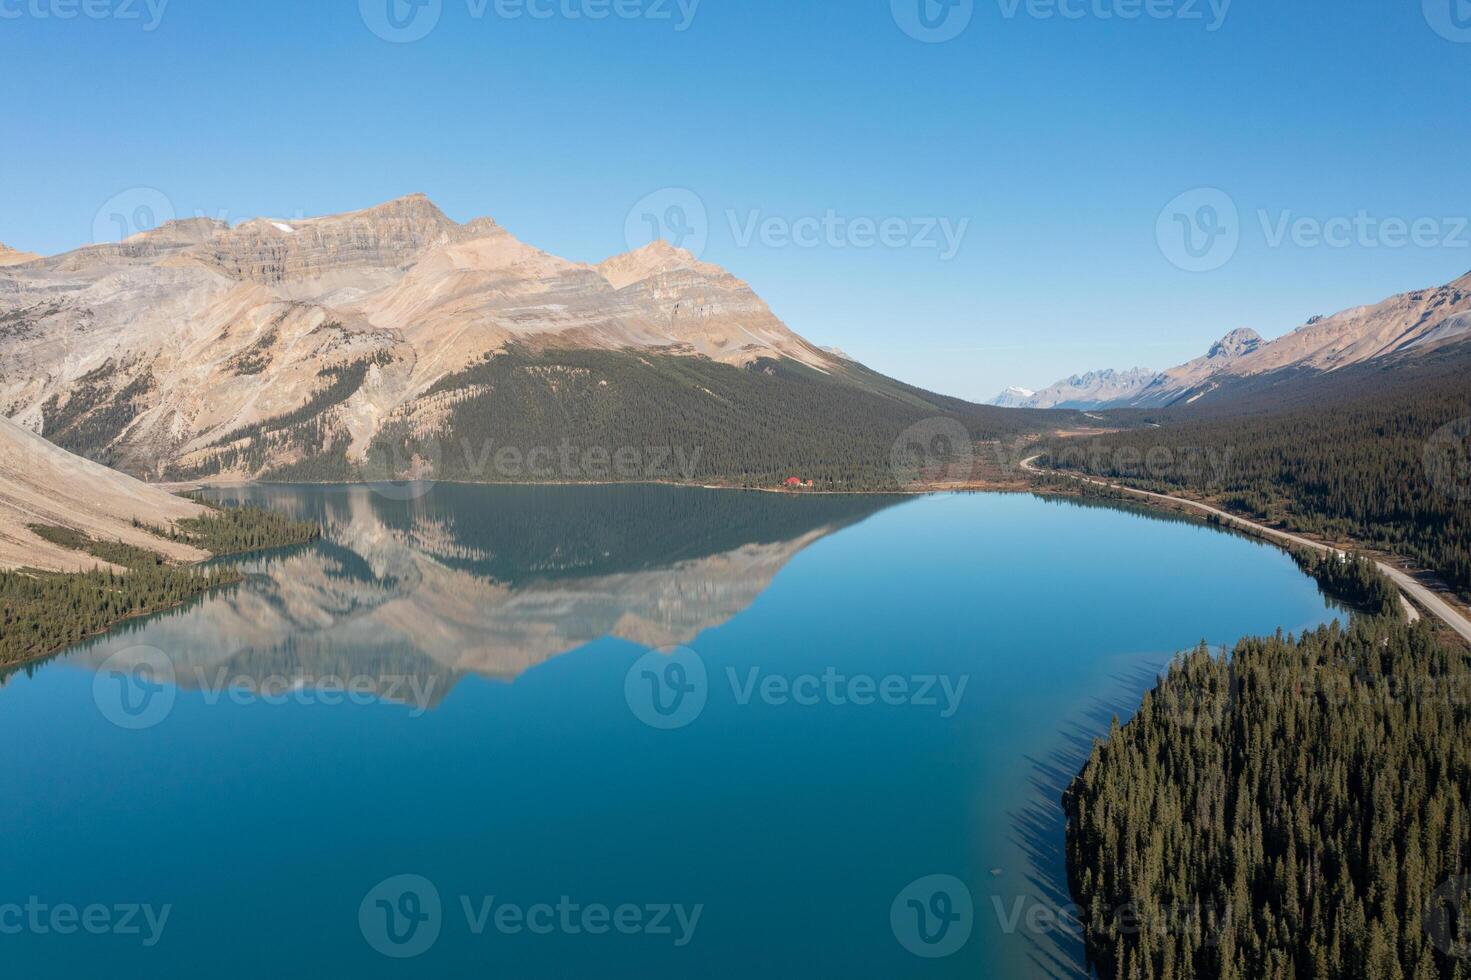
x,y
41,612
1295,811
1377,457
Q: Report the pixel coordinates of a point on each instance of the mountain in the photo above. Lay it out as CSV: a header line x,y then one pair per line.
x,y
1014,398
1242,364
42,484
1081,390
395,341
9,256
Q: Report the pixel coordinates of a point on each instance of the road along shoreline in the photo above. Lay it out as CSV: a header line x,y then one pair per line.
x,y
1407,584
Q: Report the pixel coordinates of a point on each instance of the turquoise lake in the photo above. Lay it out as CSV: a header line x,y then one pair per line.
x,y
605,732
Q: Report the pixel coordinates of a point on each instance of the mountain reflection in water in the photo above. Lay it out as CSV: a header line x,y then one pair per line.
x,y
406,596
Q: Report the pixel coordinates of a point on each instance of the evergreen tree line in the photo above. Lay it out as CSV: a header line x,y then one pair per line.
x,y
41,612
1295,811
1378,460
1354,579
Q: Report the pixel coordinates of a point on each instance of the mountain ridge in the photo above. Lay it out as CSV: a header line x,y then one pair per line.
x,y
197,349
1412,323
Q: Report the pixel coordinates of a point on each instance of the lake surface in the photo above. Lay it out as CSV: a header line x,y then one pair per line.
x,y
441,742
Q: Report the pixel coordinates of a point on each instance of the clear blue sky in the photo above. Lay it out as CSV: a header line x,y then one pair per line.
x,y
1060,140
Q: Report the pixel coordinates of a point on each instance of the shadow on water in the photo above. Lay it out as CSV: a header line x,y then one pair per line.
x,y
1039,829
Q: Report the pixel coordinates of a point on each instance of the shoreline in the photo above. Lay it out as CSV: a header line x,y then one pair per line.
x,y
1434,596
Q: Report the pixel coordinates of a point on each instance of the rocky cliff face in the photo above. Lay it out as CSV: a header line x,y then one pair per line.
x,y
236,350
9,256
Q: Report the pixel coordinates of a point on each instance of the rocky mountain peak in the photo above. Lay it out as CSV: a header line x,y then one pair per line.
x,y
1237,343
385,237
654,259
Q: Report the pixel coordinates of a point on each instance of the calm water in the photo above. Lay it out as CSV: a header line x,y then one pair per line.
x,y
872,693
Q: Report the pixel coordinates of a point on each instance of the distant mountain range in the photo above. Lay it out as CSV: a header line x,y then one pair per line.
x,y
396,342
1407,325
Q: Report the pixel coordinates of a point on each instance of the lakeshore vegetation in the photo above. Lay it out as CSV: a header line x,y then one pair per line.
x,y
42,612
1296,810
1373,457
